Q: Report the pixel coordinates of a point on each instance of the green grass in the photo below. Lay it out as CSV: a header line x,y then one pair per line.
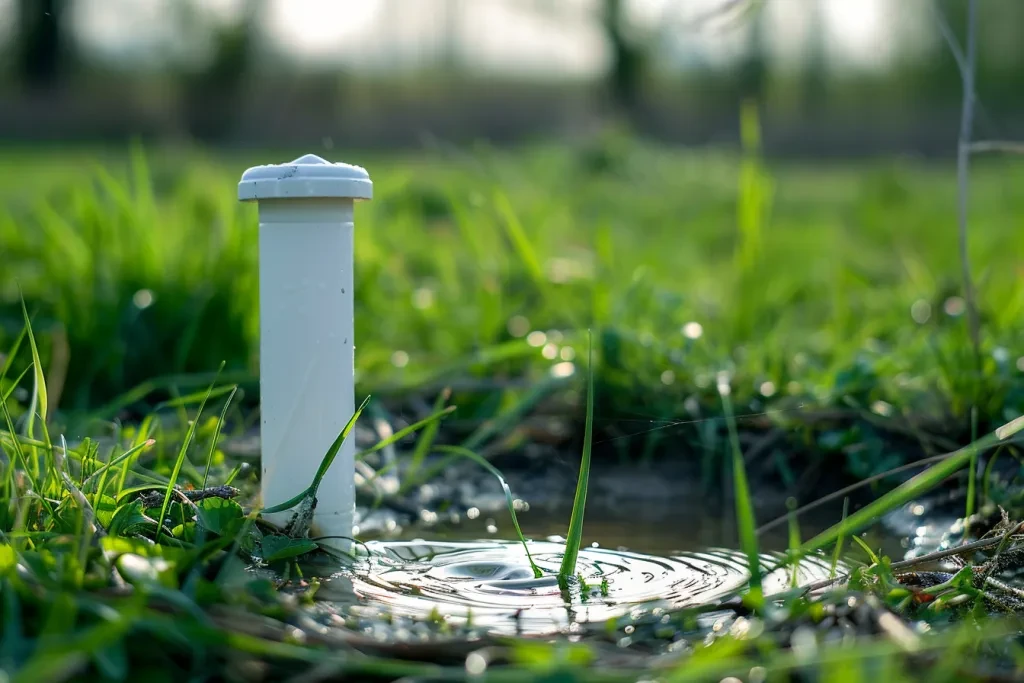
x,y
810,284
98,583
141,276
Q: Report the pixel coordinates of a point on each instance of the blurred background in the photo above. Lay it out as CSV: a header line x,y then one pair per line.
x,y
835,77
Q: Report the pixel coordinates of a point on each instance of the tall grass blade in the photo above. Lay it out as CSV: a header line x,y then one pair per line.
x,y
838,552
745,521
216,433
575,536
178,462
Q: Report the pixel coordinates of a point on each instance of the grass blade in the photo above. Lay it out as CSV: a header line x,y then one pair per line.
x,y
329,457
509,500
40,379
579,503
431,423
745,521
426,440
837,553
216,433
912,488
182,452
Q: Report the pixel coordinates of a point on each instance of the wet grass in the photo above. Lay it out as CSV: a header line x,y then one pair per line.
x,y
131,555
829,293
759,320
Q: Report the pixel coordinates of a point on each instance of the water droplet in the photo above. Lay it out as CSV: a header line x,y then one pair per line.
x,y
476,664
473,513
423,298
492,529
400,359
921,311
536,338
767,389
143,299
668,377
693,330
518,326
564,369
882,408
954,306
550,351
568,353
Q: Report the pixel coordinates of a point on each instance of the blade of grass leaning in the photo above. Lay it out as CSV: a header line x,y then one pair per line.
x,y
14,385
912,488
741,490
134,450
216,433
20,453
329,457
12,353
426,440
40,378
575,535
39,402
512,416
197,397
794,540
462,452
838,552
430,422
182,452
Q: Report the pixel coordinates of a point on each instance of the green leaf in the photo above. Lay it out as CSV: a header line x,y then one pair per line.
x,y
185,532
104,507
221,516
152,572
277,547
130,518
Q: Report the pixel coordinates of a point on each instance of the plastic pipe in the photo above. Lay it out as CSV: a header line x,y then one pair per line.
x,y
307,345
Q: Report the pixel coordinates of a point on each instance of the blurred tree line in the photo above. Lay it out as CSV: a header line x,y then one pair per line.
x,y
207,89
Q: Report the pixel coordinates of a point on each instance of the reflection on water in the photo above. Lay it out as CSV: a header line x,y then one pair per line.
x,y
491,582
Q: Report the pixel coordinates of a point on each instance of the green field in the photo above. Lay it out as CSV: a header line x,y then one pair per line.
x,y
827,298
816,288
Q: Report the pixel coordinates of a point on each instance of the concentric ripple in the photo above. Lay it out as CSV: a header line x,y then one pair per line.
x,y
492,582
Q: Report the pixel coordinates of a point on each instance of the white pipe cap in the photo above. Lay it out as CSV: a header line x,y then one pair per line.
x,y
307,177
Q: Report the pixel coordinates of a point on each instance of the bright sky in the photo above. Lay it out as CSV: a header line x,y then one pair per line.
x,y
494,34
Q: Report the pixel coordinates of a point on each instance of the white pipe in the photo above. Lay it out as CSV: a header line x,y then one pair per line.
x,y
307,345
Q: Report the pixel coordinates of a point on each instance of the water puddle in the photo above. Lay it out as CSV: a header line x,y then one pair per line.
x,y
491,585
